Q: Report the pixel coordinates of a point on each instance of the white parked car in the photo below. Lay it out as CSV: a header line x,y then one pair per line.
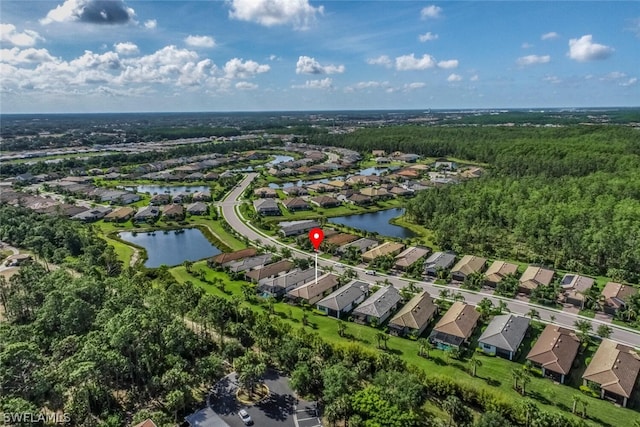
x,y
245,417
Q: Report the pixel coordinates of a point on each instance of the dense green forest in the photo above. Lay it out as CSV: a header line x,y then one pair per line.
x,y
568,197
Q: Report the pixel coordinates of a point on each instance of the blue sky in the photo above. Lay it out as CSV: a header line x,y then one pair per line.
x,y
256,55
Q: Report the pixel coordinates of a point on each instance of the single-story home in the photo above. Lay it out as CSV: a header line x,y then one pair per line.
x,y
160,199
387,248
278,286
344,299
614,367
339,239
122,214
554,351
173,212
295,204
503,335
379,306
226,257
359,199
615,296
437,261
294,228
375,193
269,270
92,214
414,317
266,207
467,265
533,277
456,326
147,213
198,208
409,256
498,270
265,192
295,191
574,288
325,202
362,244
247,264
313,291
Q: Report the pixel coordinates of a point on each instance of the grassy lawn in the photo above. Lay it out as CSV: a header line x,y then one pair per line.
x,y
494,374
425,236
123,251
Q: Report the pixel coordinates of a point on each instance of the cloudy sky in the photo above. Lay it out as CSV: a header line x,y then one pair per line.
x,y
256,55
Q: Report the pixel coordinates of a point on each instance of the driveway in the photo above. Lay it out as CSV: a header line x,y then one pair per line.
x,y
279,409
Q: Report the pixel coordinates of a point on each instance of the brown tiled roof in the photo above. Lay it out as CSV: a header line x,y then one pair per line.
x,y
313,290
460,320
325,201
499,269
387,248
555,349
410,255
615,367
270,270
469,264
341,239
173,210
146,423
122,212
295,202
615,293
535,276
416,313
233,256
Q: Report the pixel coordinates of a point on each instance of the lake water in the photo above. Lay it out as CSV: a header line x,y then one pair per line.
x,y
372,171
303,183
170,248
376,222
168,189
279,159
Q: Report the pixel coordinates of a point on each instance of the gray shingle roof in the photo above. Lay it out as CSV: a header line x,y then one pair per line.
x,y
505,332
379,304
440,259
345,295
292,278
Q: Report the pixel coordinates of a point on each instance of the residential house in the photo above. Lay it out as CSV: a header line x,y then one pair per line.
x,y
325,202
473,172
362,244
266,207
265,192
414,317
147,213
201,196
408,174
278,286
615,296
378,153
338,184
226,257
294,228
269,270
175,212
387,248
379,306
248,264
198,208
444,164
120,215
319,187
382,160
296,204
503,335
456,326
146,423
409,256
359,199
437,261
533,277
409,158
467,265
554,351
181,197
400,191
211,176
375,193
160,199
313,291
92,214
344,299
295,191
196,176
614,367
574,288
128,198
497,271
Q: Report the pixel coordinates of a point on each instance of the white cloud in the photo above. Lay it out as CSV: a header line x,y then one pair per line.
x,y
126,48
308,65
474,78
298,13
432,11
622,79
632,81
91,12
372,84
454,78
237,69
27,38
526,45
325,83
410,62
583,49
274,57
552,79
525,61
414,85
25,56
150,24
246,86
448,64
200,41
549,36
380,60
427,37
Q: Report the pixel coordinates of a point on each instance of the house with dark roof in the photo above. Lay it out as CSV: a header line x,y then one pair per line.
x,y
247,264
456,326
295,204
362,244
497,271
503,335
265,192
359,199
294,228
379,306
325,202
574,287
147,213
269,270
344,299
409,256
266,207
175,212
313,291
278,286
160,199
92,214
614,367
533,277
437,261
226,257
615,296
554,351
414,317
467,265
198,208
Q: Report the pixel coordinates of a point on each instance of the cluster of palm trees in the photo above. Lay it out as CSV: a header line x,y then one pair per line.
x,y
521,378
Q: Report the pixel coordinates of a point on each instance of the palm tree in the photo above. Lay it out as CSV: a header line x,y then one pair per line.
x,y
475,363
423,347
516,374
583,327
533,314
341,328
530,409
485,307
458,297
444,294
502,307
575,399
585,403
552,318
525,379
604,331
379,337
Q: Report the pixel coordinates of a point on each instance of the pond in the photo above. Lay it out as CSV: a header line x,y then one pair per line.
x,y
376,222
172,247
168,189
301,183
278,158
372,171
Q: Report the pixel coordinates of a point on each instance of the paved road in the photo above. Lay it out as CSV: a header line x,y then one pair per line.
x,y
231,215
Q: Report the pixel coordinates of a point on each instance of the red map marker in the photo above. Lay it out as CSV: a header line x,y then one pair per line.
x,y
316,235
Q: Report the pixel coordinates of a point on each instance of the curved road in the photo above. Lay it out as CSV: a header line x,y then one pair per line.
x,y
230,212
